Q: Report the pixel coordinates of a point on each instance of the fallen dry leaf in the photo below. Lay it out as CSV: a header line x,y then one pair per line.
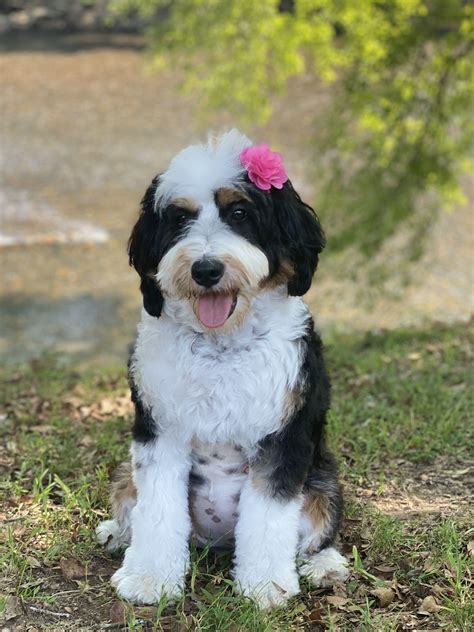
x,y
429,566
117,612
11,608
385,596
42,429
470,548
339,589
33,562
316,614
334,600
146,612
85,411
429,606
106,406
86,441
71,569
79,390
72,402
385,568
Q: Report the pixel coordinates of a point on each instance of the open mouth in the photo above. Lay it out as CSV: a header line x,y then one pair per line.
x,y
214,308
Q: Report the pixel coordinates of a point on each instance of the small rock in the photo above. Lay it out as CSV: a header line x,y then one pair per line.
x,y
20,19
39,13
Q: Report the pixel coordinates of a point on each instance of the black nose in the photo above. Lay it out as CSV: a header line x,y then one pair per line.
x,y
207,272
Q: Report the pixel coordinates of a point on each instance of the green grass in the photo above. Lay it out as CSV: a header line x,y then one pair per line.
x,y
402,407
404,394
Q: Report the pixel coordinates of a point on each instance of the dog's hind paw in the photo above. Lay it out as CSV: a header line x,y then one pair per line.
x,y
325,568
110,535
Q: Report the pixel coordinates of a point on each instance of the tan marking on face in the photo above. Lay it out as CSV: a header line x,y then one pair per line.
x,y
237,274
316,507
282,277
226,196
187,204
178,272
122,491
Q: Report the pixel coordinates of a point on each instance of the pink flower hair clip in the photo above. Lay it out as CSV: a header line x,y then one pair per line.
x,y
264,167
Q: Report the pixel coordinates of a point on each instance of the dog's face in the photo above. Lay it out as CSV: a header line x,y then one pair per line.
x,y
207,240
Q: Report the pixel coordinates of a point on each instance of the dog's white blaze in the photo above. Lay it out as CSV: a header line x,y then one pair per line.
x,y
189,390
199,170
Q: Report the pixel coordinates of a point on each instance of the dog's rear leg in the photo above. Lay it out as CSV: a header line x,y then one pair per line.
x,y
319,560
115,534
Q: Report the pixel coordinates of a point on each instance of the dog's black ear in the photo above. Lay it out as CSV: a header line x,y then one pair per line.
x,y
144,250
301,234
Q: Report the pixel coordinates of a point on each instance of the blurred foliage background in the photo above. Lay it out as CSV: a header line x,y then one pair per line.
x,y
398,127
370,102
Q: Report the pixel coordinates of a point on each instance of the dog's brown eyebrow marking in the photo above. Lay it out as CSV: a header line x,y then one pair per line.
x,y
226,196
185,203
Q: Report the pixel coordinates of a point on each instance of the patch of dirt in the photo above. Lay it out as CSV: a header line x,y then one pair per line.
x,y
442,488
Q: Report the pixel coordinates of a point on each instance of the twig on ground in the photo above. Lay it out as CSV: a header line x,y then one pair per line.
x,y
50,612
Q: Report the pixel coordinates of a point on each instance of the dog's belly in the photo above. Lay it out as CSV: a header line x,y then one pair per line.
x,y
217,476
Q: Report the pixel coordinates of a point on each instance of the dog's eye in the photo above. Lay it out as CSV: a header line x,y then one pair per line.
x,y
180,218
239,215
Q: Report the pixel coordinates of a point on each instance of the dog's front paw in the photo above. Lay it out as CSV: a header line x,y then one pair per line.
x,y
146,585
268,592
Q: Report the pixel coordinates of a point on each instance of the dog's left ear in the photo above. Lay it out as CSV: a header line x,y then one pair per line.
x,y
301,234
144,250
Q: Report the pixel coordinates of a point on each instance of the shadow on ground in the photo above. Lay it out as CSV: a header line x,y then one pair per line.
x,y
69,42
79,327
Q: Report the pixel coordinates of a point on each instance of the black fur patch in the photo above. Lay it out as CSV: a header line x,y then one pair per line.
x,y
283,227
286,458
195,479
154,233
144,427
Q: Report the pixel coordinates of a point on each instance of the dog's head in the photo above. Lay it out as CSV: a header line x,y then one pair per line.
x,y
208,240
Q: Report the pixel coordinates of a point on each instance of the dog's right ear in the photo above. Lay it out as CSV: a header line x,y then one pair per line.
x,y
144,250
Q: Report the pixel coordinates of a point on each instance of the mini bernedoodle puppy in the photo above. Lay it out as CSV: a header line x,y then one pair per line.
x,y
229,383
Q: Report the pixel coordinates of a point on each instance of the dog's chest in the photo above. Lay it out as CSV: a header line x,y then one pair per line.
x,y
218,391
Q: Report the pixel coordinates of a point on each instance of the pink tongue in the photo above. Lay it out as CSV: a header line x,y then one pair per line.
x,y
214,309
